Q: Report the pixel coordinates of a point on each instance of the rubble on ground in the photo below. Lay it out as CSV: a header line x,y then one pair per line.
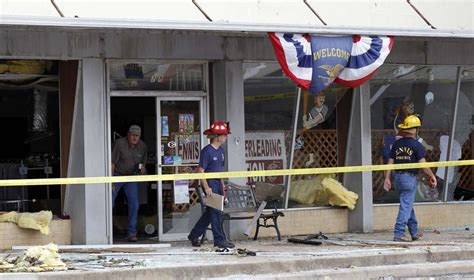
x,y
35,259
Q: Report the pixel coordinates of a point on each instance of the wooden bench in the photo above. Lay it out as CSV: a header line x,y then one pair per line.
x,y
241,204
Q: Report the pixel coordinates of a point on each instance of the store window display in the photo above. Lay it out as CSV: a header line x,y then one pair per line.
x,y
401,90
316,145
460,180
269,109
318,113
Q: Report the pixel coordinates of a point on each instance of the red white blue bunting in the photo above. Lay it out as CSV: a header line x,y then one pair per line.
x,y
314,62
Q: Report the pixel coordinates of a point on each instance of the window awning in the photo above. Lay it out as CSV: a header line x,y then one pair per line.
x,y
132,9
455,14
260,11
381,13
434,18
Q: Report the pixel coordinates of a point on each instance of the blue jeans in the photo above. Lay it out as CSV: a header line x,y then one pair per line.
x,y
405,184
131,191
214,218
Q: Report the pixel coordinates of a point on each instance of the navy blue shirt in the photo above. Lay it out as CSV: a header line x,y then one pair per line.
x,y
407,150
212,160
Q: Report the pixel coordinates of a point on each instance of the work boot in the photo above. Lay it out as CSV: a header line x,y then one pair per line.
x,y
415,237
400,239
132,238
194,241
225,244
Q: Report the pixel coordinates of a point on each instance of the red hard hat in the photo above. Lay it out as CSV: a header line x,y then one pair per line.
x,y
218,128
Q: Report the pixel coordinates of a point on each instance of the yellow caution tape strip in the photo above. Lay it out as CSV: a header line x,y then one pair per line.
x,y
230,174
286,95
270,97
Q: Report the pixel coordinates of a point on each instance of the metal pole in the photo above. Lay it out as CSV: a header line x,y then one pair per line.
x,y
453,130
293,138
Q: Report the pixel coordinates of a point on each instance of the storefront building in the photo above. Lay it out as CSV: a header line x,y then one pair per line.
x,y
69,87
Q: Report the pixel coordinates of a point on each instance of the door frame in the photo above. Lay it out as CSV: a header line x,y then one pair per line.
x,y
204,95
203,99
203,120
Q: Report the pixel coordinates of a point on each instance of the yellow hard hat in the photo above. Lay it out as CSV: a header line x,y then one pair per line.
x,y
411,121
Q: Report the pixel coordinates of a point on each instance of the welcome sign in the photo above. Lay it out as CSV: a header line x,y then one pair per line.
x,y
314,62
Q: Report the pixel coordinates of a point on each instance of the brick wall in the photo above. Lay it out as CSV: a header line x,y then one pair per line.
x,y
335,220
298,222
429,215
12,235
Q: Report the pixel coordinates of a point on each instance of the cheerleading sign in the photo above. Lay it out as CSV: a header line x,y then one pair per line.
x,y
314,62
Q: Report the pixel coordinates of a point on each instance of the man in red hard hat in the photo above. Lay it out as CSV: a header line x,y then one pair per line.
x,y
212,160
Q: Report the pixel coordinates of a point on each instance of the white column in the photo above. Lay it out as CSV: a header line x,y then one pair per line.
x,y
359,152
228,103
87,204
228,100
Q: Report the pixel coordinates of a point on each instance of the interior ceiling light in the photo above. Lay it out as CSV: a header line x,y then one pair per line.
x,y
429,98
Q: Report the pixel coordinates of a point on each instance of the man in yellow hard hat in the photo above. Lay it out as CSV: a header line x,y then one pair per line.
x,y
407,150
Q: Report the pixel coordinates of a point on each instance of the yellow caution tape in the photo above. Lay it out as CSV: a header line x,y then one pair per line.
x,y
270,97
286,95
230,174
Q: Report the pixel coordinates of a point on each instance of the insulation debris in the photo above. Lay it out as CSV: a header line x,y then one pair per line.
x,y
35,259
338,195
323,190
309,191
39,220
23,67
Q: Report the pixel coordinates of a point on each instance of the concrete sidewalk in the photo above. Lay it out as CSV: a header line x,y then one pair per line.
x,y
343,256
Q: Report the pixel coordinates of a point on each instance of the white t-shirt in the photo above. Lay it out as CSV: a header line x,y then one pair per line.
x,y
456,155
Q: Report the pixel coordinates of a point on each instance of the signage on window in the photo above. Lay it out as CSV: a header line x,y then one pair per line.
x,y
265,151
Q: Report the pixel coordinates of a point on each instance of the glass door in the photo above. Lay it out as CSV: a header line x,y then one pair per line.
x,y
179,142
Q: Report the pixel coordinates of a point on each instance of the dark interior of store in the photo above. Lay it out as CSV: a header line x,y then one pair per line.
x,y
29,118
127,111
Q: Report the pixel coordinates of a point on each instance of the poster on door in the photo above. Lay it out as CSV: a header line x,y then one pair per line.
x,y
165,130
181,191
186,123
265,151
188,147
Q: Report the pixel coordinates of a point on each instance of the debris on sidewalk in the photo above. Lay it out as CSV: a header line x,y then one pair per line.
x,y
320,238
304,241
310,239
317,239
155,258
243,252
239,252
35,259
39,220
